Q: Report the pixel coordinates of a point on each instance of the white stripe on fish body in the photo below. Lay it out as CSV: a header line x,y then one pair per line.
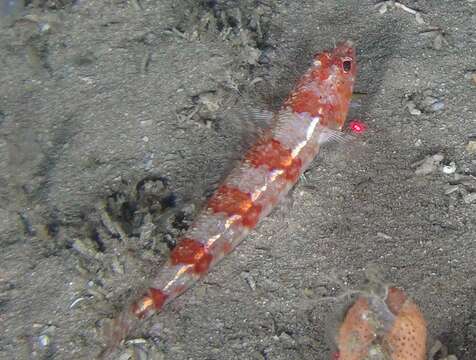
x,y
174,279
292,129
218,232
208,227
248,178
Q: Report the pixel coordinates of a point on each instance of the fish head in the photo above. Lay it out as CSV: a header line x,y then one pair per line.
x,y
325,90
334,73
338,63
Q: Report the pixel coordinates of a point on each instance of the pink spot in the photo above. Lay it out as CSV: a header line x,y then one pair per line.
x,y
357,126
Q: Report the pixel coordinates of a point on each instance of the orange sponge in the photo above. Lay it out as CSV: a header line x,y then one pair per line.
x,y
391,328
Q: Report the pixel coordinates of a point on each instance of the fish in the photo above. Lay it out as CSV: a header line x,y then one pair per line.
x,y
312,115
389,327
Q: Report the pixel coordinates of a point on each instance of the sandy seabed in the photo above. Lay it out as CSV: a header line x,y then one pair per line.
x,y
117,121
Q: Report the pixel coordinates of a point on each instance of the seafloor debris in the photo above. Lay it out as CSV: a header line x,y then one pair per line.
x,y
86,248
437,35
412,108
468,181
204,109
132,217
41,344
463,185
428,164
383,6
451,189
469,198
439,351
450,168
11,7
471,147
424,102
249,280
471,75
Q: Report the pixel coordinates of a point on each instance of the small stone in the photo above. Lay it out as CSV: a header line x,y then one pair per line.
x,y
429,101
427,92
424,102
471,147
384,236
287,340
253,55
438,42
383,8
249,280
146,123
125,356
44,27
469,198
419,19
451,189
413,109
438,106
437,349
210,100
449,169
470,75
208,124
85,249
428,165
148,164
44,340
308,292
136,341
117,267
418,143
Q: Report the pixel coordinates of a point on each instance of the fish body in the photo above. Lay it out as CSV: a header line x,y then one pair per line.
x,y
313,113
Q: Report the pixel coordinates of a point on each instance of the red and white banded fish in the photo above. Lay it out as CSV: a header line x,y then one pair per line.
x,y
313,114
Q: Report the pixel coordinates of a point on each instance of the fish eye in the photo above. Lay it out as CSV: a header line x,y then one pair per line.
x,y
347,65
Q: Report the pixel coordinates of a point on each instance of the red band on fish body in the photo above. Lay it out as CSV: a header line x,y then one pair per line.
x,y
191,252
